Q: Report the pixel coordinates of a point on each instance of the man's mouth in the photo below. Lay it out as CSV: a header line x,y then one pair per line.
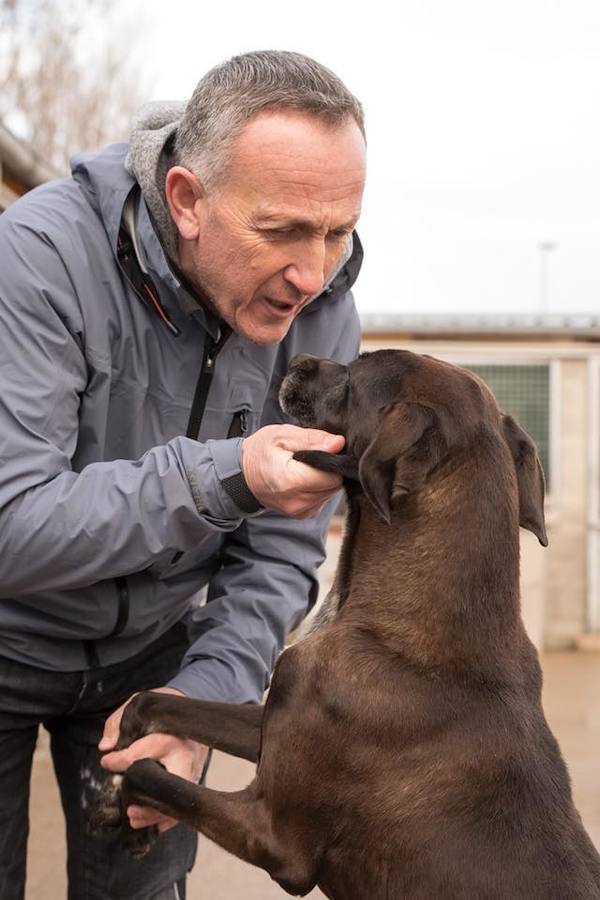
x,y
280,307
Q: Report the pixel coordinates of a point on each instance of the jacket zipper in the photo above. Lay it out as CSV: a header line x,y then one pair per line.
x,y
207,369
211,351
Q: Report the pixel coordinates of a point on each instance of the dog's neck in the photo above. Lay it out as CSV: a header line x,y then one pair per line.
x,y
440,585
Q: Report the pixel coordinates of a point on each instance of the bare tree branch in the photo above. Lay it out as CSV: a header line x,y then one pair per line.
x,y
67,74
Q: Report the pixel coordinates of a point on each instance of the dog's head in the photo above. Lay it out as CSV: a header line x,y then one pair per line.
x,y
403,415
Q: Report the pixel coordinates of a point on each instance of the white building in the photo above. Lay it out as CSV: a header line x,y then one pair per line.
x,y
544,370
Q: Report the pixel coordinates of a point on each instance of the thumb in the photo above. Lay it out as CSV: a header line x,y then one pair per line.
x,y
108,739
324,440
111,731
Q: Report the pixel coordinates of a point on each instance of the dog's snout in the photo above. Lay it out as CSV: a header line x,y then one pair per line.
x,y
309,381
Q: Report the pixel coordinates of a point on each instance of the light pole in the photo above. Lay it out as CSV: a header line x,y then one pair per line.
x,y
545,248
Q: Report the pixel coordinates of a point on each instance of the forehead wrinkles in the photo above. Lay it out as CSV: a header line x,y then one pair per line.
x,y
308,181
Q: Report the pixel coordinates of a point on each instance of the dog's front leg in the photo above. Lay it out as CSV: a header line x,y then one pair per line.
x,y
233,728
239,822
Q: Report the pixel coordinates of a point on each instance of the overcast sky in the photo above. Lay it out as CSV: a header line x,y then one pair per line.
x,y
483,121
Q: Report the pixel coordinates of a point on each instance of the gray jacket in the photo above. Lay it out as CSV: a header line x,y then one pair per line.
x,y
111,520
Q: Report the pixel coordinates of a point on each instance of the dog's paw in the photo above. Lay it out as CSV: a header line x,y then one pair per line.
x,y
139,841
106,815
110,815
137,719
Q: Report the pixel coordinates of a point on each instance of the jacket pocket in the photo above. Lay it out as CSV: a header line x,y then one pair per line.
x,y
123,607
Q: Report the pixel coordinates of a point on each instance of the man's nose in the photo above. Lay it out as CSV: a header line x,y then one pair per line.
x,y
307,272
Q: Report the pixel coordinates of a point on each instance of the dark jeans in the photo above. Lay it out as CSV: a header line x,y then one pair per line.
x,y
73,707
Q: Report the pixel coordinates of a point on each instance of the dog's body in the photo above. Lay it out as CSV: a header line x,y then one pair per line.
x,y
403,752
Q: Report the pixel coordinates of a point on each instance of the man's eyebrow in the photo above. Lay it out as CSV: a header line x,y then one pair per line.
x,y
281,220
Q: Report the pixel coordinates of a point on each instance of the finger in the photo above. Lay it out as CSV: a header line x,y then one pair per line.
x,y
154,746
307,498
324,440
314,480
146,817
116,762
178,756
312,439
110,734
143,816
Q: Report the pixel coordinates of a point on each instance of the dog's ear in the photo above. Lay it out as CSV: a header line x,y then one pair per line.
x,y
339,463
393,464
530,479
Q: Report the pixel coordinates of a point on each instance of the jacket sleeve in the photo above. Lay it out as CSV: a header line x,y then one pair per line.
x,y
268,579
65,529
262,591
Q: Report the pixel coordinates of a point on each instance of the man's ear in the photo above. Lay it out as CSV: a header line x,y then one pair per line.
x,y
393,464
530,479
184,192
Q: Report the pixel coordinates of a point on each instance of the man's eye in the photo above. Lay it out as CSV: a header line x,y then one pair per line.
x,y
279,232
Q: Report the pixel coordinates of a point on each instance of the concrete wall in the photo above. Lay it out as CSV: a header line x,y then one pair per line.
x,y
566,564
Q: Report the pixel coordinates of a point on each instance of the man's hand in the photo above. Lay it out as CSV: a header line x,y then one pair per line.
x,y
185,758
277,480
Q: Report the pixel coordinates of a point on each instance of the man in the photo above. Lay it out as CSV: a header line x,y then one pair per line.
x,y
150,305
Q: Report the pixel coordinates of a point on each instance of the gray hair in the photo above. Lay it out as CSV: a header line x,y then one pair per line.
x,y
236,90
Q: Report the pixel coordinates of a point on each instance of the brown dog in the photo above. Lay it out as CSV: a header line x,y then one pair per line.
x,y
403,752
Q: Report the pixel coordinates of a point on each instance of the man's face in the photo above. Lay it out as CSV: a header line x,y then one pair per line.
x,y
274,228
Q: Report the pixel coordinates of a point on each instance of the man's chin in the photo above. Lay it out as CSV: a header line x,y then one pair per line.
x,y
263,339
263,333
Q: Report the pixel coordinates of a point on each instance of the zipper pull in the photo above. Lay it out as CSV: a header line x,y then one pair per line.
x,y
239,424
209,360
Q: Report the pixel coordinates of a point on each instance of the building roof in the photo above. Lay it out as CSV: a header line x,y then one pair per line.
x,y
22,163
583,326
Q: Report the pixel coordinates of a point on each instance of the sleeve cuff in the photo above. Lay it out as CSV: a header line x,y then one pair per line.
x,y
241,494
227,458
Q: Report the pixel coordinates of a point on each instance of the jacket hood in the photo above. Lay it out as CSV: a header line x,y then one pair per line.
x,y
149,159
